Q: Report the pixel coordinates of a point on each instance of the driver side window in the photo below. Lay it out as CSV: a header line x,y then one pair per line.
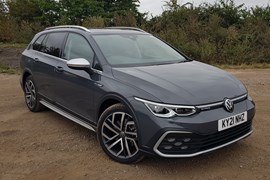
x,y
78,47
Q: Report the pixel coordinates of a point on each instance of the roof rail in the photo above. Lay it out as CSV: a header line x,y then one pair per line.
x,y
125,28
68,26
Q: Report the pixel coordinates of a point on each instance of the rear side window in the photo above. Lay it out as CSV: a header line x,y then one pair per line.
x,y
53,44
78,47
38,44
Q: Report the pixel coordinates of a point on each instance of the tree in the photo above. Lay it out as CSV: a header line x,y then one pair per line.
x,y
172,5
50,12
126,10
24,10
112,7
75,11
3,7
261,13
227,10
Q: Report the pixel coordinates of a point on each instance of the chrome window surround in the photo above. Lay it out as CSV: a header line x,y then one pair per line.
x,y
194,154
64,60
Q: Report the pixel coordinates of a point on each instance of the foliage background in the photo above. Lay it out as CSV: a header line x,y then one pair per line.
x,y
219,33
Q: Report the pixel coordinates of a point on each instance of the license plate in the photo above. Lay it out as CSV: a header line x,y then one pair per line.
x,y
232,121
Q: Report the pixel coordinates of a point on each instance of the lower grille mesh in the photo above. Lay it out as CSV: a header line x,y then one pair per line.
x,y
178,143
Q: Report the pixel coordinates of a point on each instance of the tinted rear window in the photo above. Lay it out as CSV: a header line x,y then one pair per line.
x,y
53,44
38,44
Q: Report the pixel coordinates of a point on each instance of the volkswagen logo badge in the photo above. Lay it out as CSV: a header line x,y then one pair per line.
x,y
228,104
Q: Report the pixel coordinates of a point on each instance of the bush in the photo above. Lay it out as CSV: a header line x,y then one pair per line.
x,y
26,31
219,33
12,32
222,33
7,27
91,22
125,20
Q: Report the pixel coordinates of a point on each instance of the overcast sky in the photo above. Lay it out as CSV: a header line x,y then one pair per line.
x,y
155,6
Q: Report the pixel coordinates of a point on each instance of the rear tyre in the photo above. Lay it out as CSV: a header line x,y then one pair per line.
x,y
118,135
31,95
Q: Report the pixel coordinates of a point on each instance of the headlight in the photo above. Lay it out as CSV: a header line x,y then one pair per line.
x,y
167,111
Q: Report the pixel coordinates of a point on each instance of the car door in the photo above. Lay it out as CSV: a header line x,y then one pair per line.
x,y
75,88
46,53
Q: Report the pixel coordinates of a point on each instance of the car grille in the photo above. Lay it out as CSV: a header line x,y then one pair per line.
x,y
189,143
221,103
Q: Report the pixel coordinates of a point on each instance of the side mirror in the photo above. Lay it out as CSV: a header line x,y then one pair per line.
x,y
79,64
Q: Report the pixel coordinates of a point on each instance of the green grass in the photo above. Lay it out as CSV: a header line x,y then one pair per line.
x,y
7,70
12,45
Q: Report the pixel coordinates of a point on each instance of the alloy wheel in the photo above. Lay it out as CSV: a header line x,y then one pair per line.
x,y
119,135
30,94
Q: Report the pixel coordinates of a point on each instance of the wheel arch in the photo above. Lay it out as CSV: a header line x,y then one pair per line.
x,y
25,74
110,100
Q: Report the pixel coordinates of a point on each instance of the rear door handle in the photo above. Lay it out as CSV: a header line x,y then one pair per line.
x,y
59,69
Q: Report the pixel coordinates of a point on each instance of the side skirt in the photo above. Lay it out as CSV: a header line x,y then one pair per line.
x,y
67,115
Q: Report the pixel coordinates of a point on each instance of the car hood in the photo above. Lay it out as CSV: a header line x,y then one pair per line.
x,y
189,83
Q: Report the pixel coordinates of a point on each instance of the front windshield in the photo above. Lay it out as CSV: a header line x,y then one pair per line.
x,y
130,49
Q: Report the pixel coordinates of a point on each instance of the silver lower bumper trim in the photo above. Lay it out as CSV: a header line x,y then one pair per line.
x,y
194,154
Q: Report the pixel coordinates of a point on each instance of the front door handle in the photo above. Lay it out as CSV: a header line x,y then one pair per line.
x,y
59,69
36,60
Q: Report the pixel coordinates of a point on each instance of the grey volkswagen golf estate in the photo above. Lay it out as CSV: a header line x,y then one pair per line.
x,y
141,95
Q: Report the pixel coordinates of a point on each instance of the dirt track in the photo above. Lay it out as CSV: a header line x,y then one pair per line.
x,y
48,146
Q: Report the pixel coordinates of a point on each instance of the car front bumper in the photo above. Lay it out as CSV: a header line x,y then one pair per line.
x,y
189,136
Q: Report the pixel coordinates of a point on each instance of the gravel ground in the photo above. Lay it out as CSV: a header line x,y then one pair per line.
x,y
46,145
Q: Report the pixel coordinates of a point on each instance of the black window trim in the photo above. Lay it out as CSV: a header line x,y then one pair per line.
x,y
95,57
63,46
61,50
32,44
45,40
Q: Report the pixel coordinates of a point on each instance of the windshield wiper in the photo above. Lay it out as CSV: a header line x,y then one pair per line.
x,y
181,61
186,60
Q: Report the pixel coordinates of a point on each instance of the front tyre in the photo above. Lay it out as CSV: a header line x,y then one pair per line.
x,y
117,135
31,95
